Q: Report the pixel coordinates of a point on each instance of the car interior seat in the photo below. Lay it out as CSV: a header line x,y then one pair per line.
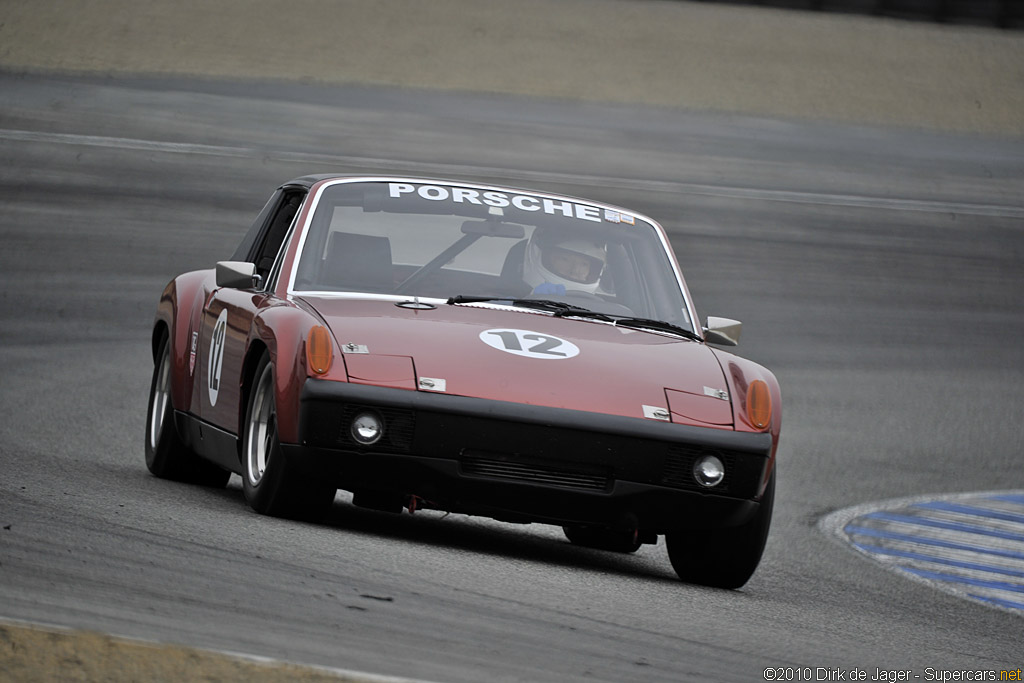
x,y
360,263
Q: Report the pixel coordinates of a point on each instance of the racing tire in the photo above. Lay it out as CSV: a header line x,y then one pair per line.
x,y
723,558
602,538
167,456
271,483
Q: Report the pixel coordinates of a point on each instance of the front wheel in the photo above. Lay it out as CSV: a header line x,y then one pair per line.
x,y
723,558
166,455
273,485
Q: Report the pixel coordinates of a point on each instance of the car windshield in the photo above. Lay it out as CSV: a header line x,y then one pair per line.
x,y
432,240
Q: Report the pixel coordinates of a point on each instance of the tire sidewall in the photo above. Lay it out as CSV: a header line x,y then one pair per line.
x,y
264,496
167,456
159,451
283,490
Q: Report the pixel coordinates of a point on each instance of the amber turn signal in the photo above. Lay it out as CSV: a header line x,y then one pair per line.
x,y
759,404
318,350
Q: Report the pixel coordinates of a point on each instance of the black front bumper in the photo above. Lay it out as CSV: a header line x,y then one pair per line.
x,y
521,462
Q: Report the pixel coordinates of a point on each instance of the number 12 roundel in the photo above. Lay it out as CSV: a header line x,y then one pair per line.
x,y
530,344
216,356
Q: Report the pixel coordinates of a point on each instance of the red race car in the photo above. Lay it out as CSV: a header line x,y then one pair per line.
x,y
485,350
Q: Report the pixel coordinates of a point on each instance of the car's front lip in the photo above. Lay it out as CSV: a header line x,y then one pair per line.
x,y
539,462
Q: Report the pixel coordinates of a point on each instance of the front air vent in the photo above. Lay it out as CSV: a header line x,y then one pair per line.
x,y
544,475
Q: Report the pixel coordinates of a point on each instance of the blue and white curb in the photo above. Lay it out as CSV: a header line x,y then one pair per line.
x,y
970,545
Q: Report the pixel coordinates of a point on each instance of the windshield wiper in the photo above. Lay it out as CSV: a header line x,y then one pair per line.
x,y
659,325
561,309
629,321
558,308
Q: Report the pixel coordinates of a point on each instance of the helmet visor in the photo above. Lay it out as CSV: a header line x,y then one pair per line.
x,y
572,265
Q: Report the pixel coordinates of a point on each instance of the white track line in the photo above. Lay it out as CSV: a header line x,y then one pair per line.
x,y
433,169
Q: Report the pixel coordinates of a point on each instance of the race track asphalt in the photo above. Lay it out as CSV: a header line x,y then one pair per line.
x,y
873,254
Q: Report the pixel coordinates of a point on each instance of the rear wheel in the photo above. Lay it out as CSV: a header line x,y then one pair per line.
x,y
602,538
166,455
273,485
723,558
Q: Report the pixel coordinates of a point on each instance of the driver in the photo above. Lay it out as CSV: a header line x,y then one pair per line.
x,y
554,263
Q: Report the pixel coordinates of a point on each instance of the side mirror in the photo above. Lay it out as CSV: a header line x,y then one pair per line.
x,y
237,275
722,331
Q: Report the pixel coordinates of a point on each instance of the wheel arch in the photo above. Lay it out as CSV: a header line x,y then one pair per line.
x,y
279,331
740,373
161,331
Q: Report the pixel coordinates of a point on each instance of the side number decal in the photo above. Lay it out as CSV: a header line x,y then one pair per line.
x,y
216,355
529,344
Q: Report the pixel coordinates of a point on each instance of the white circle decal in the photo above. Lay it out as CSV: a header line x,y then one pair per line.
x,y
216,355
529,344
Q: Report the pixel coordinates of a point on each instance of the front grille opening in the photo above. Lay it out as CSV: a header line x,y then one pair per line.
x,y
507,469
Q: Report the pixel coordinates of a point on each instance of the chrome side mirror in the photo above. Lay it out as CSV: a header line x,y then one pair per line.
x,y
237,275
722,331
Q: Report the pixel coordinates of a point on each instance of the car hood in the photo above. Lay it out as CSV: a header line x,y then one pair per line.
x,y
524,356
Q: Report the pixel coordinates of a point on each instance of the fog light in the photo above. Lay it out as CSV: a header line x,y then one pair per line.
x,y
709,471
367,428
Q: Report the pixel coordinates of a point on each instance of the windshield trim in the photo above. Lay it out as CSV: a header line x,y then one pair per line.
x,y
323,185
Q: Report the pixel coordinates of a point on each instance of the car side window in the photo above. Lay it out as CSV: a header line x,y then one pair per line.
x,y
276,232
248,244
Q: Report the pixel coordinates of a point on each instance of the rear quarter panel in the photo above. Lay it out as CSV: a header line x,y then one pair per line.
x,y
180,302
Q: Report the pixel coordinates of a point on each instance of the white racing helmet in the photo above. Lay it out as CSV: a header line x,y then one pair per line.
x,y
565,261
